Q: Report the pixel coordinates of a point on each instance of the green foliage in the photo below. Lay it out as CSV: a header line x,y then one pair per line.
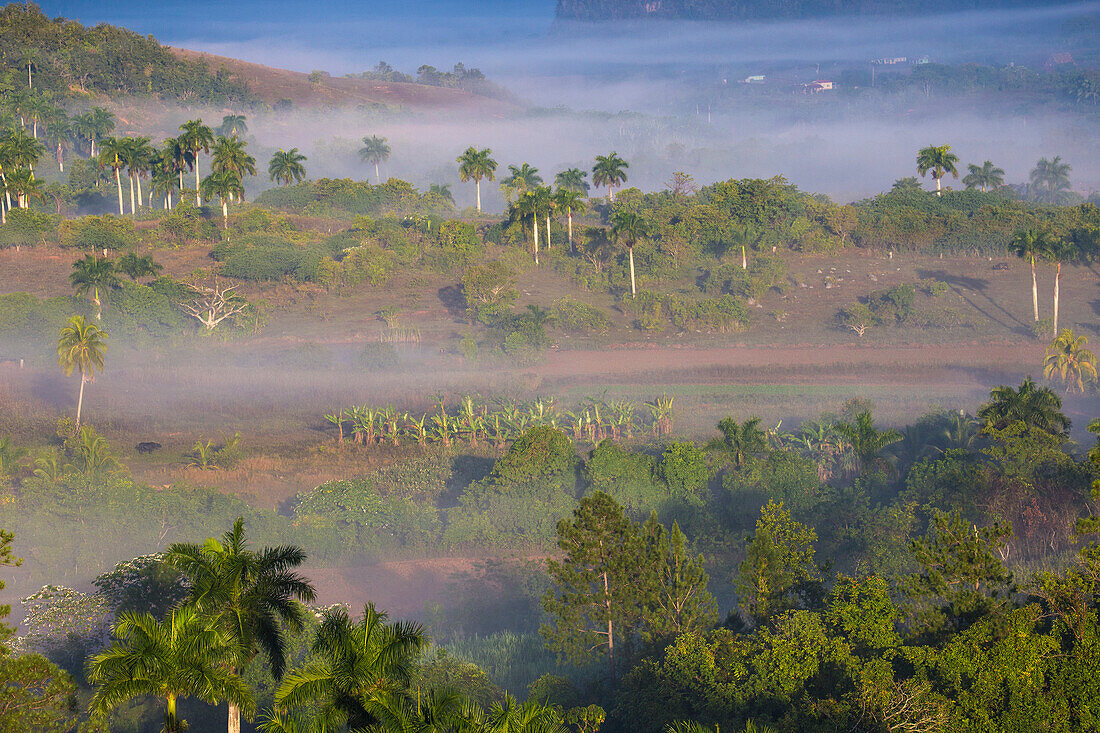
x,y
779,572
489,291
577,316
268,257
683,468
97,233
361,520
26,228
345,197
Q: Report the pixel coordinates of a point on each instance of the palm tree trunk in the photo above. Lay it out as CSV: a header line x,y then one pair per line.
x,y
548,231
610,193
535,219
92,141
1057,281
1034,290
610,627
477,185
198,200
80,399
140,200
744,260
98,304
133,209
569,216
234,723
7,192
937,185
633,290
225,214
60,159
377,175
170,723
118,182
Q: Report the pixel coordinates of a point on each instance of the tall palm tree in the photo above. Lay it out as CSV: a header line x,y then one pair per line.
x,y
1070,360
164,180
1031,404
523,178
36,108
357,665
1059,251
250,595
222,185
233,126
286,166
94,125
939,160
1051,179
743,236
628,227
475,165
22,183
572,179
867,442
182,656
738,443
527,206
93,274
985,176
610,171
545,197
569,201
375,150
229,156
21,149
112,154
180,156
196,137
139,161
81,346
1029,244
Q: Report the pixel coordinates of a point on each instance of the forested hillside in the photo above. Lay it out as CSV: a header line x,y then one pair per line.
x,y
63,58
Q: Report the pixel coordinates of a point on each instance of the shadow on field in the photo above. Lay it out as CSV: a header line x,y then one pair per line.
x,y
959,283
451,298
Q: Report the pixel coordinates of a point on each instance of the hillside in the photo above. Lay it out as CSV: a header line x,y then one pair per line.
x,y
599,10
273,85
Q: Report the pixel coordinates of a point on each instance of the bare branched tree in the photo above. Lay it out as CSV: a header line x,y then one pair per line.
x,y
212,305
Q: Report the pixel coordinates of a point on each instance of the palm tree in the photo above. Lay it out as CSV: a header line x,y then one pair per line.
x,y
743,236
572,179
738,443
940,160
570,201
523,178
1029,243
164,181
21,149
233,126
182,656
1051,179
508,716
628,227
357,664
229,156
545,197
94,125
442,190
375,150
93,274
528,206
250,595
984,177
132,265
1058,250
1070,360
476,164
1031,404
196,136
222,185
81,347
112,154
140,156
180,157
867,442
23,184
36,109
59,135
610,171
286,166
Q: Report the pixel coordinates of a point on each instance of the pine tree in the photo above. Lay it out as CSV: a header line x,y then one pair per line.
x,y
681,602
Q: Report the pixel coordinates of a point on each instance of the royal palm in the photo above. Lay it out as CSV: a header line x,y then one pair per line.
x,y
1069,359
610,171
985,176
523,178
1029,244
196,137
475,165
570,201
939,160
229,156
112,154
222,185
251,596
627,227
375,150
81,347
95,275
286,166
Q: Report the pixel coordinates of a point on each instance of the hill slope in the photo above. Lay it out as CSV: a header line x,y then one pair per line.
x,y
271,85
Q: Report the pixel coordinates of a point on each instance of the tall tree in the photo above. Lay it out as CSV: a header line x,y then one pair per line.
x,y
475,165
779,571
81,347
112,154
572,179
867,442
985,176
22,183
223,185
610,171
527,207
375,150
250,595
358,667
939,160
196,138
286,166
598,591
229,156
1050,178
1069,359
1029,244
569,201
681,602
1058,250
96,275
233,126
523,178
183,656
94,125
628,227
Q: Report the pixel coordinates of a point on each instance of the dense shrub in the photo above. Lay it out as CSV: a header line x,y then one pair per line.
x,y
26,228
98,233
575,315
362,518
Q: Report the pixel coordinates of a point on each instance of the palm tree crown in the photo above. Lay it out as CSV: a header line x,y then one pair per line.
x,y
985,176
475,165
1050,178
1036,406
375,150
610,171
286,166
1069,359
523,178
939,160
572,179
738,443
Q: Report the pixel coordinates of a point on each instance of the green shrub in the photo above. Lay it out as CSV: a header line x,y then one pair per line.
x,y
574,315
27,228
364,518
683,468
98,233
